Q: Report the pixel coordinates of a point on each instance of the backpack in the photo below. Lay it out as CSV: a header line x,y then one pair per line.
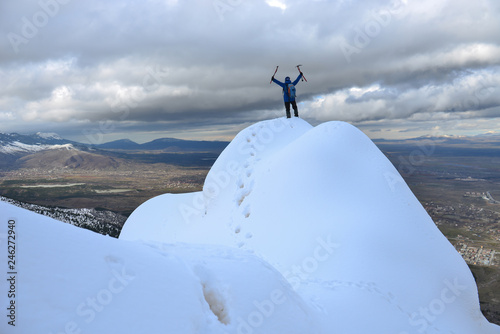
x,y
291,91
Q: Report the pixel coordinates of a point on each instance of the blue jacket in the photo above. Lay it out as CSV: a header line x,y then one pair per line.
x,y
279,83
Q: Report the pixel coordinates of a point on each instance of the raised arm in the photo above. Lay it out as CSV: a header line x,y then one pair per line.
x,y
279,83
298,79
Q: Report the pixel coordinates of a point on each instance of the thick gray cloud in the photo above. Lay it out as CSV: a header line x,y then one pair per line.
x,y
98,70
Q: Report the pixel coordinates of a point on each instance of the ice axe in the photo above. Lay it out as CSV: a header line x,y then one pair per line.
x,y
303,77
270,82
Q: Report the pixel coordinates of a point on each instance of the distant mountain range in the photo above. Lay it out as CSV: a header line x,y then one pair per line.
x,y
166,145
480,145
48,150
14,143
485,140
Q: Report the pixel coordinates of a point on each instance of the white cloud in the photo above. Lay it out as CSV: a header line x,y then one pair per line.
x,y
277,3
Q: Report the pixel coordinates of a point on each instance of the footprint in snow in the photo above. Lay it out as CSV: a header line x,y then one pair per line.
x,y
117,266
246,211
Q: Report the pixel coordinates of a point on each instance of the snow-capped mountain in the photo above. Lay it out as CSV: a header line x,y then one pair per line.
x,y
13,143
298,229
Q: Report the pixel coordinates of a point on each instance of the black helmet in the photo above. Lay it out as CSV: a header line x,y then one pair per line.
x,y
287,79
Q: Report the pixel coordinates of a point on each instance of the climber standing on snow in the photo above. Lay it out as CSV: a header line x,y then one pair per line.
x,y
289,94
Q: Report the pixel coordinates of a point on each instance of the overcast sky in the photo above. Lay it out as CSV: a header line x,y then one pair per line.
x,y
96,71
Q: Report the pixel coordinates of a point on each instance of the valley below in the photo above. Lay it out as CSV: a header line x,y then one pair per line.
x,y
120,190
459,188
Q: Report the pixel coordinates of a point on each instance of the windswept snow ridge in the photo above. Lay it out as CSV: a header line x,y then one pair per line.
x,y
298,229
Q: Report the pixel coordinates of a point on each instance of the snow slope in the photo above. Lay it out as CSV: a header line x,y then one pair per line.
x,y
70,280
328,210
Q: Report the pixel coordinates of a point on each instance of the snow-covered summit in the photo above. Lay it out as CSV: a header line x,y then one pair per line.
x,y
329,211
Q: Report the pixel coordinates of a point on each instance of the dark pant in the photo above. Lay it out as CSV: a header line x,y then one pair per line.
x,y
295,109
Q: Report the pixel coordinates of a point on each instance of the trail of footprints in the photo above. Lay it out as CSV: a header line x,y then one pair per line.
x,y
245,185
